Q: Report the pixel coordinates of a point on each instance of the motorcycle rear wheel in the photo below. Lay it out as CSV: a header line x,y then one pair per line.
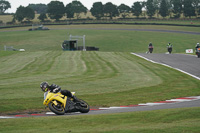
x,y
57,109
83,106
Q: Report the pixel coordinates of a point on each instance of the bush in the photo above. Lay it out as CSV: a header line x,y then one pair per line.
x,y
11,22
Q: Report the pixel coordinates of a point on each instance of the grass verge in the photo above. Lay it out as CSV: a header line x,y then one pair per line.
x,y
100,78
160,121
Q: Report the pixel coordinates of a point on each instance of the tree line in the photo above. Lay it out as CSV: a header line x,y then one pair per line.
x,y
57,10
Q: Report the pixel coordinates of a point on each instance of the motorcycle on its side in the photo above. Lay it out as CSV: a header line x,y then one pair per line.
x,y
61,104
198,52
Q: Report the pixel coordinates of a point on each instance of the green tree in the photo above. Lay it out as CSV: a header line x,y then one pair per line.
x,y
4,5
75,9
163,11
124,10
110,10
177,8
156,4
188,9
169,7
56,10
39,8
198,11
29,13
196,4
144,3
24,13
69,11
97,10
78,8
19,15
42,17
150,8
137,9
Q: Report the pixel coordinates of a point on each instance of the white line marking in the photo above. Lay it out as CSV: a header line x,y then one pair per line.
x,y
197,97
180,100
5,117
50,113
118,107
104,108
152,104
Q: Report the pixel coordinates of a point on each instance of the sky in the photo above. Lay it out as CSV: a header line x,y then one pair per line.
x,y
87,3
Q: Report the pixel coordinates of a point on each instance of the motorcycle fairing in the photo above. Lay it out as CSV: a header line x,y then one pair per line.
x,y
52,96
70,106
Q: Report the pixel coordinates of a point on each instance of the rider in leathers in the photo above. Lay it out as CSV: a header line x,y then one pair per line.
x,y
197,46
55,89
169,45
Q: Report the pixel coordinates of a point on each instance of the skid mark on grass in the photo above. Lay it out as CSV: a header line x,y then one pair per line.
x,y
18,61
97,67
41,64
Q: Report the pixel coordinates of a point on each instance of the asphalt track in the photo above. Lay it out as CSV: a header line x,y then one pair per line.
x,y
188,63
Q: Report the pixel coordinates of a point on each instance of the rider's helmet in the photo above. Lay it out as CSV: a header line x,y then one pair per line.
x,y
197,44
44,86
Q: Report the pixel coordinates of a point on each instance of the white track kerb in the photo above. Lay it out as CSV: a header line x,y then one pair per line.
x,y
171,101
167,66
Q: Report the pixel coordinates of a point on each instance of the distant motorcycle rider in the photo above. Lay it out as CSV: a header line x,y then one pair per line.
x,y
197,46
55,89
197,50
169,47
150,47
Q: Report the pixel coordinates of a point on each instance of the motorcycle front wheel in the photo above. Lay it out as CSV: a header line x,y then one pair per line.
x,y
57,109
83,106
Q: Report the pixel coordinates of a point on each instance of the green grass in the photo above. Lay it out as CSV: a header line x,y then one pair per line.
x,y
98,77
161,121
106,40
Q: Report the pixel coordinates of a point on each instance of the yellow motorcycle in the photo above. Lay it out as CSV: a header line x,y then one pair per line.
x,y
60,104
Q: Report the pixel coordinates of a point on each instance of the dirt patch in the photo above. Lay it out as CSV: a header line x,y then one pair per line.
x,y
23,112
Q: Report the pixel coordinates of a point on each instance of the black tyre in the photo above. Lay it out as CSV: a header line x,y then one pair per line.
x,y
83,106
151,50
57,109
170,50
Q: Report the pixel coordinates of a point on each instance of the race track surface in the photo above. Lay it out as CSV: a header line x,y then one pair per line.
x,y
187,63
